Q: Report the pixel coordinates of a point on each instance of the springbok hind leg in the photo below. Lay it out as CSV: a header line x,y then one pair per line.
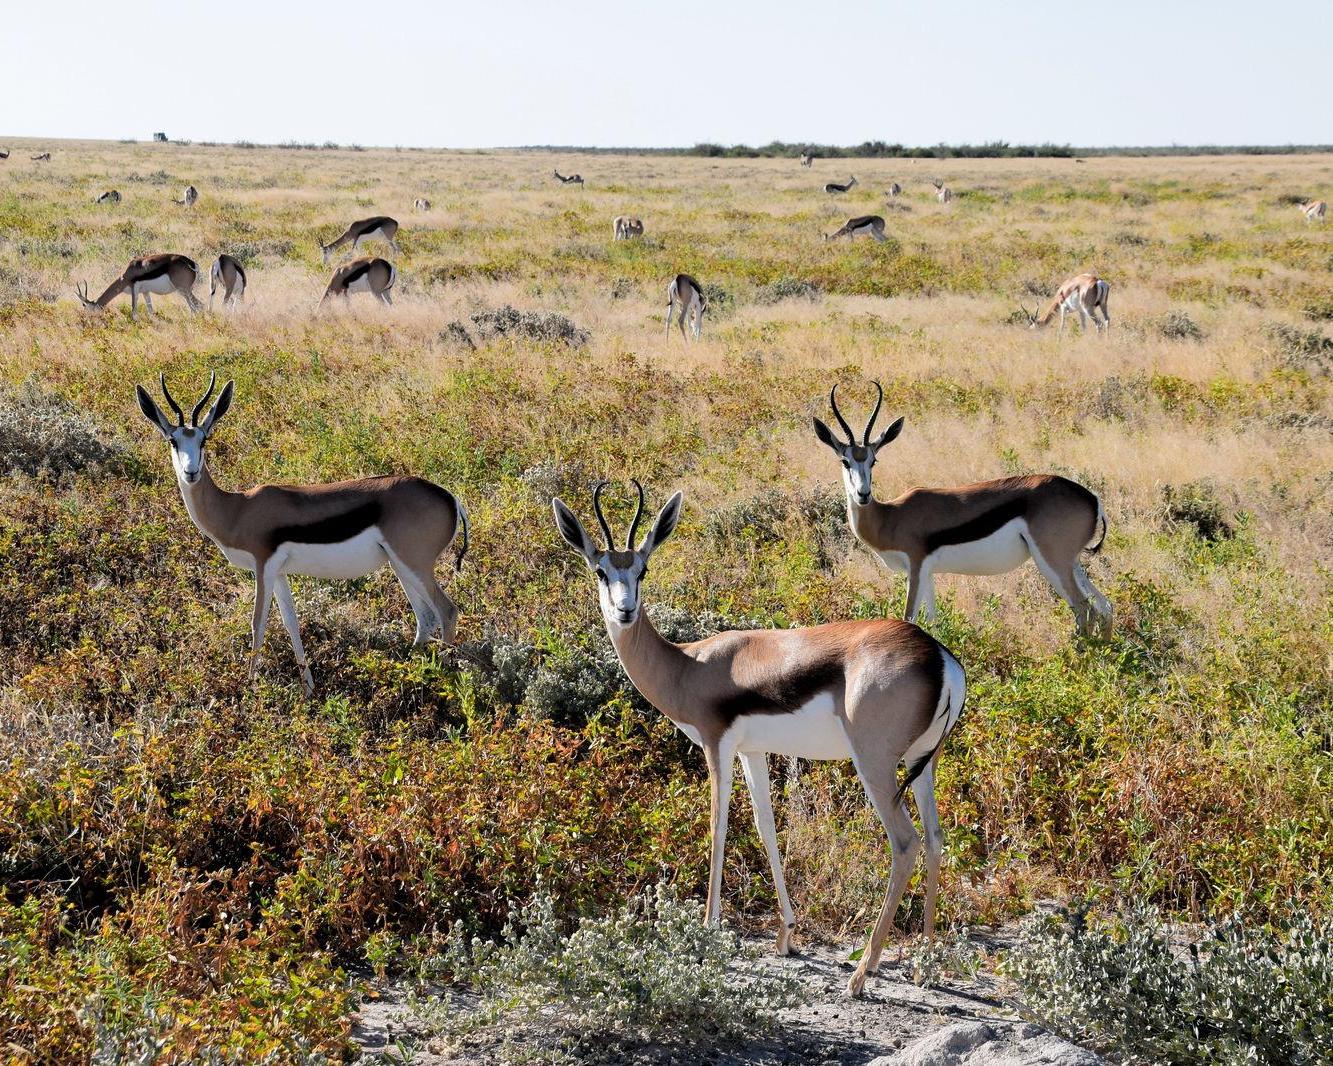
x,y
754,765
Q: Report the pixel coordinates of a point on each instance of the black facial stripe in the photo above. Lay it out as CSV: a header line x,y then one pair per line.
x,y
980,527
783,695
329,530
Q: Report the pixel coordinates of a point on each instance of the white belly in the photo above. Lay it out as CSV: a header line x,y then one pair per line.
x,y
895,560
813,732
999,553
157,286
345,559
236,557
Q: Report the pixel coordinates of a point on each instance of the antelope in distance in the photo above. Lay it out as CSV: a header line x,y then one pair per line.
x,y
341,531
625,227
228,273
41,157
368,274
1314,210
147,276
685,297
111,196
895,190
861,226
807,159
879,692
1085,294
833,187
190,198
380,228
421,204
942,192
987,528
4,154
573,179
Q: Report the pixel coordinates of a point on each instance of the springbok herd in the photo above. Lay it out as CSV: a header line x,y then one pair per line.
x,y
880,692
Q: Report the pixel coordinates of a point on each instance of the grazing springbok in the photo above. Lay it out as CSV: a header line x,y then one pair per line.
x,y
380,228
368,274
227,272
1085,294
4,154
833,187
685,297
860,226
942,192
990,527
1314,210
807,159
625,227
111,196
341,531
895,190
147,276
879,692
41,157
421,204
573,179
190,198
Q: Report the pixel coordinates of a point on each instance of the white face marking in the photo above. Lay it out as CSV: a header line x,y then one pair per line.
x,y
857,473
187,453
618,587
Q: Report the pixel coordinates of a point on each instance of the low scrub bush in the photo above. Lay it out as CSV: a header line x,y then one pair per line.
x,y
788,289
509,322
43,434
1178,326
1196,506
1303,349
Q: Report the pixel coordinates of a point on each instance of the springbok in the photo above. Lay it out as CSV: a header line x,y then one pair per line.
x,y
1314,210
572,179
879,692
42,157
860,226
942,192
111,196
148,275
368,274
421,204
685,296
990,527
227,272
1085,294
342,531
381,227
895,190
834,187
4,154
807,159
190,198
625,227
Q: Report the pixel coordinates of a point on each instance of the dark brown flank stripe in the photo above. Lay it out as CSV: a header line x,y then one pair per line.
x,y
861,221
978,528
358,272
155,272
331,530
782,695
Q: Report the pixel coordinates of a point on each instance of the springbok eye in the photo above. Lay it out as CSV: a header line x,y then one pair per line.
x,y
601,575
847,464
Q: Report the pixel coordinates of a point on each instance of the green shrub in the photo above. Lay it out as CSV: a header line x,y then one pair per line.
x,y
1195,505
1178,326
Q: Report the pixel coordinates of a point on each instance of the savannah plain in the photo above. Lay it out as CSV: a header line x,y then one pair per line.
x,y
229,865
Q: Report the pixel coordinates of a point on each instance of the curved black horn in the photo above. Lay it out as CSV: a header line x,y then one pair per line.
x,y
638,513
833,400
879,402
601,519
171,400
194,415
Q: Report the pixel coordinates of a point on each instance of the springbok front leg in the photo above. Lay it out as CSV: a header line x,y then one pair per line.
x,y
719,781
754,765
287,608
259,620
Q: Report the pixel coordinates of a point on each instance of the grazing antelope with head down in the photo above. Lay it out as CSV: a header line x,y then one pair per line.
x,y
879,692
381,227
369,274
342,531
895,190
190,198
990,527
1314,210
1085,294
685,297
942,192
421,204
111,196
42,157
834,187
4,154
572,179
625,227
227,272
860,226
146,276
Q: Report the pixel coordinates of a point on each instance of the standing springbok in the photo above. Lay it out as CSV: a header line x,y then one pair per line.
x,y
860,226
895,190
227,272
879,692
833,187
685,297
342,531
190,198
42,157
990,527
572,179
421,204
368,274
942,192
146,276
807,159
111,196
4,154
625,227
381,228
1085,294
1314,210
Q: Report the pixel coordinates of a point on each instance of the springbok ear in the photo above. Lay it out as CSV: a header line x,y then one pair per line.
x,y
152,412
826,435
571,529
889,434
218,409
663,527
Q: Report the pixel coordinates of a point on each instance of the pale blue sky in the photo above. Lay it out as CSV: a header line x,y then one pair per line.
x,y
506,72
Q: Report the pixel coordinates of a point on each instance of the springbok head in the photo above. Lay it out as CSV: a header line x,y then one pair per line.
x,y
619,572
81,291
858,460
187,442
1031,316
